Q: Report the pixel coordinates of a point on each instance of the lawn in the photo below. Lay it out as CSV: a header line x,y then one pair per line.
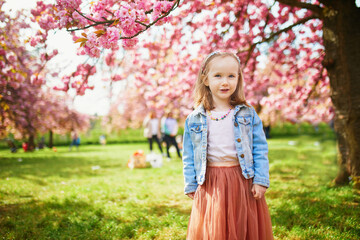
x,y
91,194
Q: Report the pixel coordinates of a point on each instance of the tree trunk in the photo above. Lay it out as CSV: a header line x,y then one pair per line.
x,y
341,34
31,143
51,144
343,154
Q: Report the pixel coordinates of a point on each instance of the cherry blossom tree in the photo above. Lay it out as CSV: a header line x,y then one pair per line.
x,y
312,45
309,55
26,107
315,42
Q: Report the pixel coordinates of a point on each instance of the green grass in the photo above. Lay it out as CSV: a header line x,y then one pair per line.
x,y
135,135
65,195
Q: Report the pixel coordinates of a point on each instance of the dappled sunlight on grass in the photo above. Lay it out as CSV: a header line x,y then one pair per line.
x,y
91,194
302,201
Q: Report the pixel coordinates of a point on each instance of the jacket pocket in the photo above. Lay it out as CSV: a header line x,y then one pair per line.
x,y
196,132
245,120
245,125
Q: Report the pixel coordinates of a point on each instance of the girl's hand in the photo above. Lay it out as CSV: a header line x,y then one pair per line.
x,y
191,195
258,191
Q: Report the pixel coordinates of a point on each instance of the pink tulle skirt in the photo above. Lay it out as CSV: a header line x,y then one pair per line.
x,y
224,208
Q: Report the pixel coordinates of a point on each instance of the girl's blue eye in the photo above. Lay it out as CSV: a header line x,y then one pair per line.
x,y
232,76
217,75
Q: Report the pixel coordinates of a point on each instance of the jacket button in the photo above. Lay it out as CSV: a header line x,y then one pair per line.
x,y
242,155
197,129
236,124
238,140
248,175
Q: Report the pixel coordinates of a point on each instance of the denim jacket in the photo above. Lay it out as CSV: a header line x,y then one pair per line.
x,y
250,143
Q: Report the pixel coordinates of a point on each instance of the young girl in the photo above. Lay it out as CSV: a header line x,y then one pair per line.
x,y
226,168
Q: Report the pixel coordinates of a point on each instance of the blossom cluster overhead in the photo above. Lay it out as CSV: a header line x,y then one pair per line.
x,y
104,23
280,48
281,53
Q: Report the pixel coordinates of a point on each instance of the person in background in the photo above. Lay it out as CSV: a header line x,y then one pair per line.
x,y
75,140
41,144
11,144
25,146
170,129
102,139
151,126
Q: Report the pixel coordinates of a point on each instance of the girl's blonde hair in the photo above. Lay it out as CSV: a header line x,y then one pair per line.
x,y
202,92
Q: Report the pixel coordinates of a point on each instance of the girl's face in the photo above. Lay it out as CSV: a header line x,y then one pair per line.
x,y
222,78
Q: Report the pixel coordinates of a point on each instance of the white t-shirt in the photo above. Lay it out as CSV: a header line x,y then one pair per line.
x,y
170,126
221,139
154,126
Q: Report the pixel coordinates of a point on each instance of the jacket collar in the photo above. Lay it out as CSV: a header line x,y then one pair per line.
x,y
201,110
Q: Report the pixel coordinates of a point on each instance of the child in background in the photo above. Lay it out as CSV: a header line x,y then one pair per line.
x,y
226,168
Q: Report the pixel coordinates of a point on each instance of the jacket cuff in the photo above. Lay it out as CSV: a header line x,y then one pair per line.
x,y
261,181
190,189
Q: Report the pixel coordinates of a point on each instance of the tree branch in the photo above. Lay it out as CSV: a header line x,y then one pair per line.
x,y
176,4
89,26
301,21
314,87
252,47
325,2
273,35
109,22
81,14
141,23
109,12
295,3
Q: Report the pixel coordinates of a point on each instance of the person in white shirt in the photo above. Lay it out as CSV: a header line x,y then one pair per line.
x,y
152,130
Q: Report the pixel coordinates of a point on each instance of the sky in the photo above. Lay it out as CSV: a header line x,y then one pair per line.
x,y
94,101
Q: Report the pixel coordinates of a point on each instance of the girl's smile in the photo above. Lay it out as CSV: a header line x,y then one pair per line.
x,y
222,79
